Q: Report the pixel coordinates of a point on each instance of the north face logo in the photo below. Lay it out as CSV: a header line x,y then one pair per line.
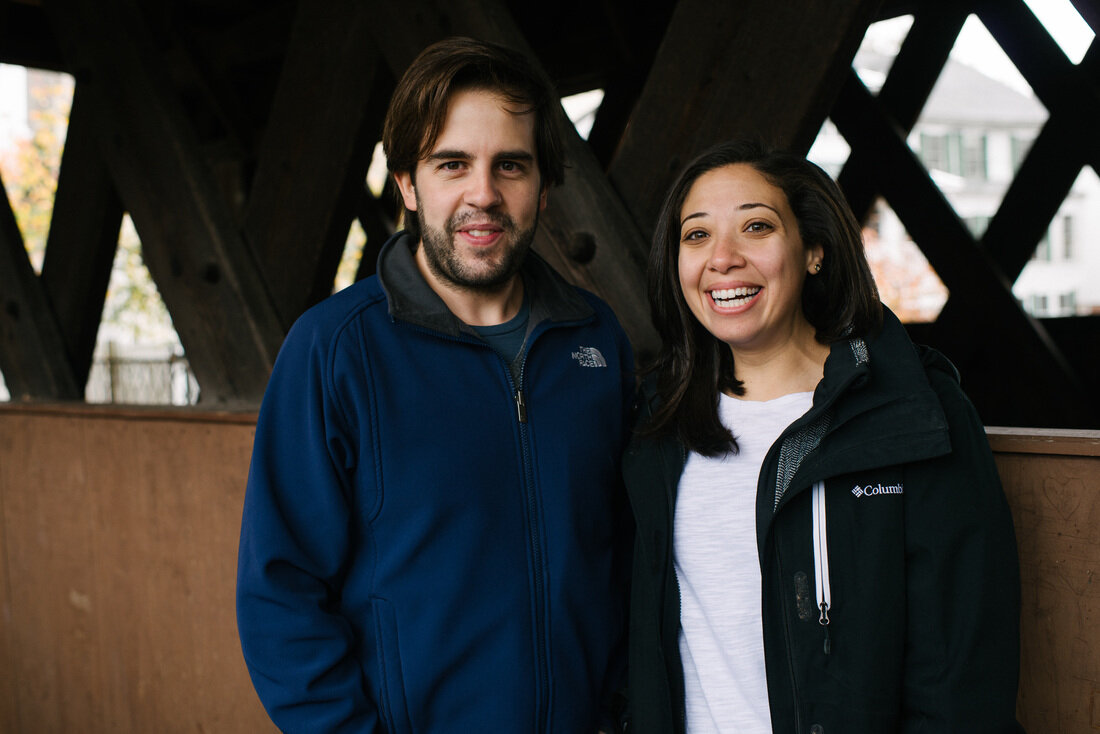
x,y
876,489
589,357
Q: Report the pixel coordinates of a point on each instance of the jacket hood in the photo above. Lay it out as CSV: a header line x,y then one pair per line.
x,y
411,299
877,405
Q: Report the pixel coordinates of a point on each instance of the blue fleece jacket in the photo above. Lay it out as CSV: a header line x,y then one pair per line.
x,y
430,544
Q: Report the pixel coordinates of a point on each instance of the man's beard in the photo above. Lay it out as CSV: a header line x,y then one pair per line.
x,y
446,264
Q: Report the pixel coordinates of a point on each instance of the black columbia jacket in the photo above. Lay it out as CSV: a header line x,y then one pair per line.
x,y
923,620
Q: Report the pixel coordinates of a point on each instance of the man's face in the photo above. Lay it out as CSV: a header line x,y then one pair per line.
x,y
477,194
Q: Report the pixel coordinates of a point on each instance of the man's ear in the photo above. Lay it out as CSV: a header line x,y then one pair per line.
x,y
542,197
405,185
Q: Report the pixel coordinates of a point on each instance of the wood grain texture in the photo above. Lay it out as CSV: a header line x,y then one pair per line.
x,y
119,546
118,550
1055,501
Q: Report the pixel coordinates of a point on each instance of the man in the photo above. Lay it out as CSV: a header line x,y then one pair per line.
x,y
434,519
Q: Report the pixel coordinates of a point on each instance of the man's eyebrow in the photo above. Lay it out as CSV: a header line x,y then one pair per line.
x,y
444,155
514,155
504,155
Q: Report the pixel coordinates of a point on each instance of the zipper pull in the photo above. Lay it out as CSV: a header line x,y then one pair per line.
x,y
521,407
823,620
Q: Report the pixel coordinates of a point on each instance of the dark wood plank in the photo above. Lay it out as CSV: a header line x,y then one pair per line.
x,y
80,250
586,232
32,352
753,68
912,76
201,265
620,96
26,38
317,144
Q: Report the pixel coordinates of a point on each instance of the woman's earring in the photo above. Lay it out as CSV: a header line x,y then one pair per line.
x,y
817,268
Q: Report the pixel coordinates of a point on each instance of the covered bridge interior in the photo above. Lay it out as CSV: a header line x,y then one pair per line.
x,y
237,135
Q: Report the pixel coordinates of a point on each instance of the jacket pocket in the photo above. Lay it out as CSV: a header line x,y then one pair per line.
x,y
395,710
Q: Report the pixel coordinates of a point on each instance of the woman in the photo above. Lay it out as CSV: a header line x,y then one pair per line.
x,y
822,540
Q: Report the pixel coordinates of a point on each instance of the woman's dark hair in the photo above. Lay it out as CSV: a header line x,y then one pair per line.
x,y
418,107
692,366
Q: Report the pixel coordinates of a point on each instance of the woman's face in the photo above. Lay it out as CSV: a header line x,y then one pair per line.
x,y
742,261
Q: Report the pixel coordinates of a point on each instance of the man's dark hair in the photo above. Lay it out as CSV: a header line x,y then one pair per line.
x,y
692,366
418,108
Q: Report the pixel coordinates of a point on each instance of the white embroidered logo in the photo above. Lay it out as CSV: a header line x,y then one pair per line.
x,y
589,357
877,489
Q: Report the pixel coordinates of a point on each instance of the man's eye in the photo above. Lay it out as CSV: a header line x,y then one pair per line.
x,y
451,165
509,166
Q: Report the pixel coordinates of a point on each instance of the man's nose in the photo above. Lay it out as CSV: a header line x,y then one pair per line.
x,y
483,191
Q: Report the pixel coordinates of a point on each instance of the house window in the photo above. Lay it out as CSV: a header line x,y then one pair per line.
x,y
974,158
1067,303
1067,237
1019,148
942,152
933,151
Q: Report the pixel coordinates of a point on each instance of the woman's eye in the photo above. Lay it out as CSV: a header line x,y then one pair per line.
x,y
695,234
758,227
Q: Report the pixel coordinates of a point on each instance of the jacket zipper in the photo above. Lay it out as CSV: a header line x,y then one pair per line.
x,y
542,666
821,561
542,671
521,406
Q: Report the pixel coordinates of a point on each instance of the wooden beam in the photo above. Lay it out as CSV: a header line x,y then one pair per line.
x,y
26,38
1064,88
586,232
200,264
981,315
318,142
83,238
620,96
754,68
32,353
1090,11
1036,194
912,76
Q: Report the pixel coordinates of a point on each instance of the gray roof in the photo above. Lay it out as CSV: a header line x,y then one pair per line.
x,y
965,95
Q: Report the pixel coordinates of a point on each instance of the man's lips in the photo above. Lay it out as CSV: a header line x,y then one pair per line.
x,y
481,234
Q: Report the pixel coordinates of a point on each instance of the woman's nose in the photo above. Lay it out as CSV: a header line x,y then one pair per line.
x,y
725,254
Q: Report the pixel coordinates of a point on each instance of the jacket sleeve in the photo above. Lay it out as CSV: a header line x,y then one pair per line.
x,y
294,549
963,586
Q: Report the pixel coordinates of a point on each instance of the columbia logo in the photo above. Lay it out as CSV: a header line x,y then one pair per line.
x,y
877,489
589,357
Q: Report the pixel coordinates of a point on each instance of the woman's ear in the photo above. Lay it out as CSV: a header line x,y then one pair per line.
x,y
815,258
